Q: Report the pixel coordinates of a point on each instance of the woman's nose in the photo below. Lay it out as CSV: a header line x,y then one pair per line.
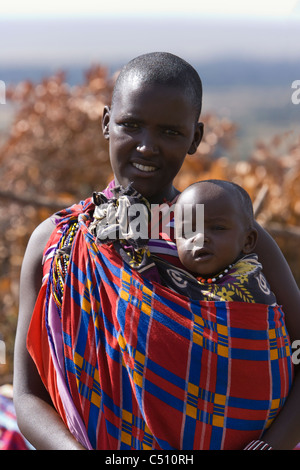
x,y
147,145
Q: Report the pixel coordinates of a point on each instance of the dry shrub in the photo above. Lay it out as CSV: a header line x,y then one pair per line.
x,y
55,154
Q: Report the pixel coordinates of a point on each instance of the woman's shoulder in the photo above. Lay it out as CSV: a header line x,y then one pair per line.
x,y
42,233
37,245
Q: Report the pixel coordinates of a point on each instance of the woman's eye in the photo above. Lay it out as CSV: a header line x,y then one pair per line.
x,y
171,132
130,125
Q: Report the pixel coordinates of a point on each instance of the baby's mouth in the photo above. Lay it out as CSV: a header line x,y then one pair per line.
x,y
145,168
201,253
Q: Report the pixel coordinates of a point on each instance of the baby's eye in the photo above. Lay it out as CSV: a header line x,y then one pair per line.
x,y
219,227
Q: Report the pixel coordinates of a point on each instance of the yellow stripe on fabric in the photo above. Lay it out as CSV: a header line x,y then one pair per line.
x,y
138,378
96,375
139,357
96,399
222,350
272,334
146,302
193,389
273,354
222,330
191,411
86,304
124,295
122,342
198,320
218,421
145,447
127,416
126,438
198,339
125,277
275,404
220,399
78,360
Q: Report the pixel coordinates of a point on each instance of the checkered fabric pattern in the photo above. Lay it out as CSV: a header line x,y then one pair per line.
x,y
10,435
147,368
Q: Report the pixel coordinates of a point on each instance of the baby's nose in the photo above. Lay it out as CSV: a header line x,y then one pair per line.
x,y
198,240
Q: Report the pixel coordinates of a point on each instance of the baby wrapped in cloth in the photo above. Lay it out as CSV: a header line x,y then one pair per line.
x,y
135,356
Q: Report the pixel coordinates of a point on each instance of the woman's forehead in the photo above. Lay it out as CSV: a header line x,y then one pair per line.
x,y
135,91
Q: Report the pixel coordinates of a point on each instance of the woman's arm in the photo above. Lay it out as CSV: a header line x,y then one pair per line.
x,y
37,419
281,280
284,432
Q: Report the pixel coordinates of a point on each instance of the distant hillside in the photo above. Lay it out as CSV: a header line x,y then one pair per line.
x,y
254,94
229,73
225,73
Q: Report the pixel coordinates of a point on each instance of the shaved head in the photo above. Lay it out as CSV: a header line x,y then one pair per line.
x,y
162,68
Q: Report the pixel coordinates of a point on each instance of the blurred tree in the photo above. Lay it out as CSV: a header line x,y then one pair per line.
x,y
55,154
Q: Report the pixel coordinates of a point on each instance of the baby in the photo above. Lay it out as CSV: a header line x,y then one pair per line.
x,y
221,257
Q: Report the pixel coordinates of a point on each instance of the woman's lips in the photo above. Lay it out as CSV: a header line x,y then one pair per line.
x,y
144,168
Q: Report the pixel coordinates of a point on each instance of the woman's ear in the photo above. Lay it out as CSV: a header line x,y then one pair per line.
x,y
197,138
250,241
105,121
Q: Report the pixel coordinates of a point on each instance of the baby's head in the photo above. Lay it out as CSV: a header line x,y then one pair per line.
x,y
227,232
152,123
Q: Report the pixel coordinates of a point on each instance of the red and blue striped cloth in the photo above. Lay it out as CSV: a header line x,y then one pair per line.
x,y
10,435
131,364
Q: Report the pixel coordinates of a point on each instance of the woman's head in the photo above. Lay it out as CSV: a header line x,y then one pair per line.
x,y
152,123
163,68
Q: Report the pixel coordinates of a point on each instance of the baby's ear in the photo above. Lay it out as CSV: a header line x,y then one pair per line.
x,y
105,121
250,241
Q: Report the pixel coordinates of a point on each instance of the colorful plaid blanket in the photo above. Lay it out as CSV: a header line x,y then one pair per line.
x,y
10,435
131,364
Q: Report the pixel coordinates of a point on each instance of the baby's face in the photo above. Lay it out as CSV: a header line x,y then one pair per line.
x,y
223,235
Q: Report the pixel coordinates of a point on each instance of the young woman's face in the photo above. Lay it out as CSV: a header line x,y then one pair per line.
x,y
150,129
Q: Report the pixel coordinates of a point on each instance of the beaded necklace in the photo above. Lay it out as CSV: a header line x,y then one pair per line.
x,y
211,280
61,261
